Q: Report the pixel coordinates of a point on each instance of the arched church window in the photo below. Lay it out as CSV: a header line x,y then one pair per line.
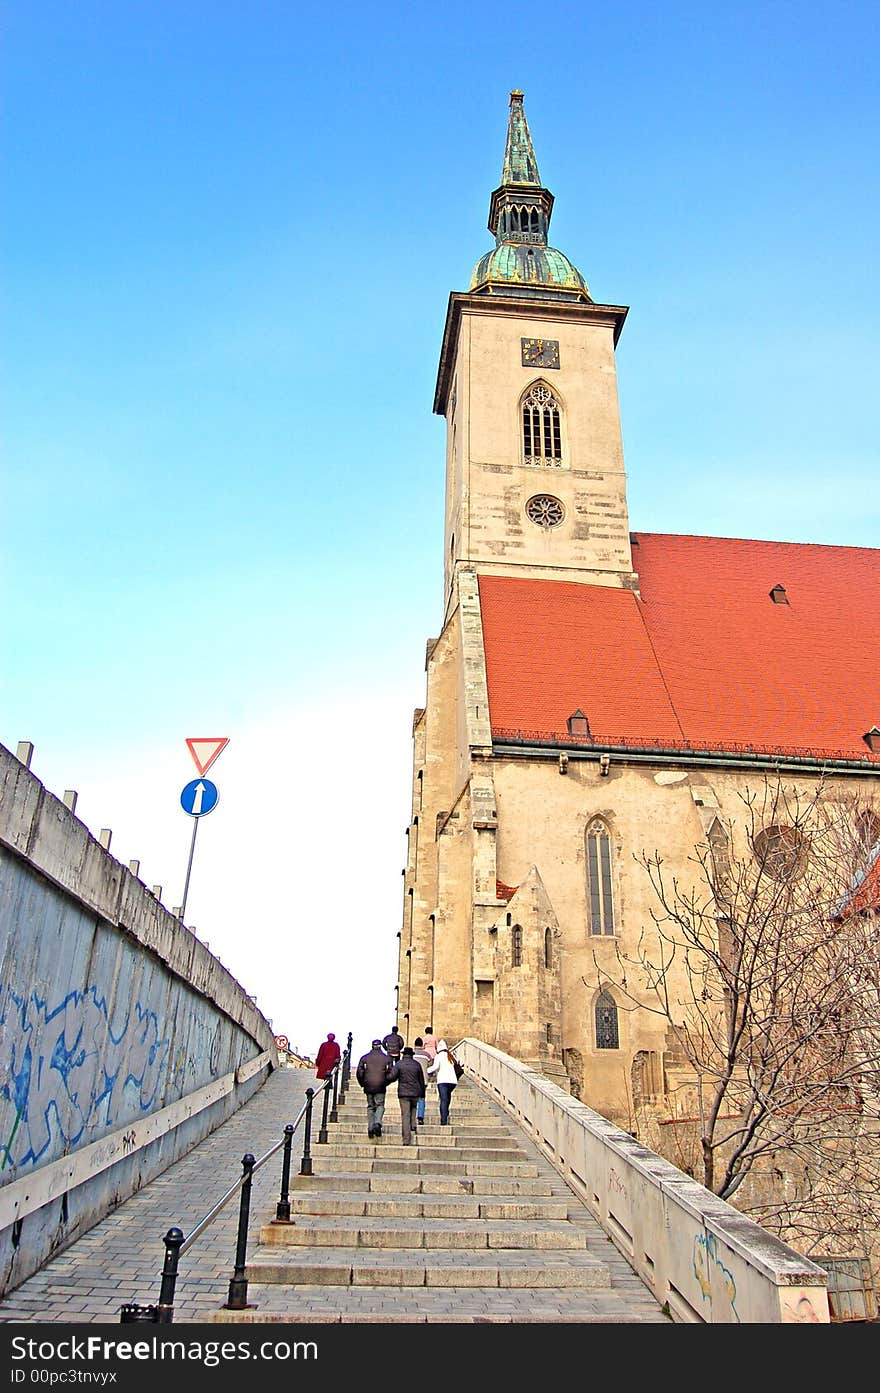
x,y
541,427
868,829
607,1033
516,945
599,879
719,853
548,948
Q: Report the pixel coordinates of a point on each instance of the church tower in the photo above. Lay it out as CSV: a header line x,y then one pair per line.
x,y
527,382
535,494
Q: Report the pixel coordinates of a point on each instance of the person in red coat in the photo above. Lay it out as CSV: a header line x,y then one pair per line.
x,y
328,1056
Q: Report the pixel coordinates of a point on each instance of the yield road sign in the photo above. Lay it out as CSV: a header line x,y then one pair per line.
x,y
199,798
205,749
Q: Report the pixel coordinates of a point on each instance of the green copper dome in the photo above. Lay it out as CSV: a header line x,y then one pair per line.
x,y
522,263
530,269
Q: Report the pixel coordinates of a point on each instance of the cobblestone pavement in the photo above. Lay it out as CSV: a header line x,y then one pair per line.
x,y
120,1259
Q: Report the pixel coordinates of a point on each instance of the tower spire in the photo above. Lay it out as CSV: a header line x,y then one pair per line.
x,y
520,209
520,165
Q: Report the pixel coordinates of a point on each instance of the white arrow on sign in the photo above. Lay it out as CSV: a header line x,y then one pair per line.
x,y
197,800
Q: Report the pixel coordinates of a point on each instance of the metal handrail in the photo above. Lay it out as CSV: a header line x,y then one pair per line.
x,y
212,1213
176,1243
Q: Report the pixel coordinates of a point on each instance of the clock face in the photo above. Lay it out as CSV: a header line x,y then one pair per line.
x,y
540,353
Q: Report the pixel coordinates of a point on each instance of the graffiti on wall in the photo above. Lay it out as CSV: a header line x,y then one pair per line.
x,y
714,1279
67,1072
615,1183
799,1307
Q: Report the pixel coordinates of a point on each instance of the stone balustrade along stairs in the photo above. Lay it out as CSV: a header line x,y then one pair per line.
x,y
468,1223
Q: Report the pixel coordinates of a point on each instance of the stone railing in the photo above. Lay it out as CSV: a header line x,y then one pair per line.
x,y
700,1257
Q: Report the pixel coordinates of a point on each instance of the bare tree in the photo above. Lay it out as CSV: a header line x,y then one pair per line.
x,y
763,962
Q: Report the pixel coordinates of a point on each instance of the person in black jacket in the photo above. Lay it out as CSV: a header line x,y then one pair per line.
x,y
393,1043
375,1071
410,1088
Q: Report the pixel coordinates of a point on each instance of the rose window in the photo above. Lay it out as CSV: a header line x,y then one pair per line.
x,y
545,510
782,852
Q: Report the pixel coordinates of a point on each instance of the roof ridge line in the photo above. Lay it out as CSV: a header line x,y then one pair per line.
x,y
753,541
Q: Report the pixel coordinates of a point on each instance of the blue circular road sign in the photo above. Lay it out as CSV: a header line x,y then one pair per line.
x,y
199,798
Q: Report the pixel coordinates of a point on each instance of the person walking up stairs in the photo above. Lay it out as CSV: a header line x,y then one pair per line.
x,y
410,1092
375,1071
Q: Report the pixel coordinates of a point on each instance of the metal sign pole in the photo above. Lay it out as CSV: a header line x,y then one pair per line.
x,y
200,796
192,847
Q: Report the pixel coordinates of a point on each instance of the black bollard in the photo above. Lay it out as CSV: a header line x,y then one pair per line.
x,y
282,1210
238,1287
334,1116
322,1134
306,1163
343,1083
165,1309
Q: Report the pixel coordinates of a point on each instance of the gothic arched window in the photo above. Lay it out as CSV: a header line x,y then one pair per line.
x,y
599,879
719,862
607,1034
867,829
516,946
541,427
548,948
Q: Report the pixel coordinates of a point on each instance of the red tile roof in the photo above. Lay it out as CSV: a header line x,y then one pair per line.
x,y
504,892
704,659
865,896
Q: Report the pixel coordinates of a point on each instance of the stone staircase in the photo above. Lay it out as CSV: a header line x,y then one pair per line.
x,y
470,1223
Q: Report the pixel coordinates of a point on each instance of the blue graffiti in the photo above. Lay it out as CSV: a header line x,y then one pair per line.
x,y
68,1070
707,1265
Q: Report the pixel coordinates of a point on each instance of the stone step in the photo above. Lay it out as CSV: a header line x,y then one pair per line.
x,y
429,1133
437,1268
488,1126
413,1184
470,1122
389,1150
356,1106
364,1305
462,1102
457,1116
470,1234
419,1207
467,1224
411,1163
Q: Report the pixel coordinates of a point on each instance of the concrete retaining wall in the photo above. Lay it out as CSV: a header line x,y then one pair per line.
x,y
696,1253
123,1041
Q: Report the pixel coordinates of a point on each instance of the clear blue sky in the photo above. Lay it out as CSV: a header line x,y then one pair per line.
x,y
230,231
